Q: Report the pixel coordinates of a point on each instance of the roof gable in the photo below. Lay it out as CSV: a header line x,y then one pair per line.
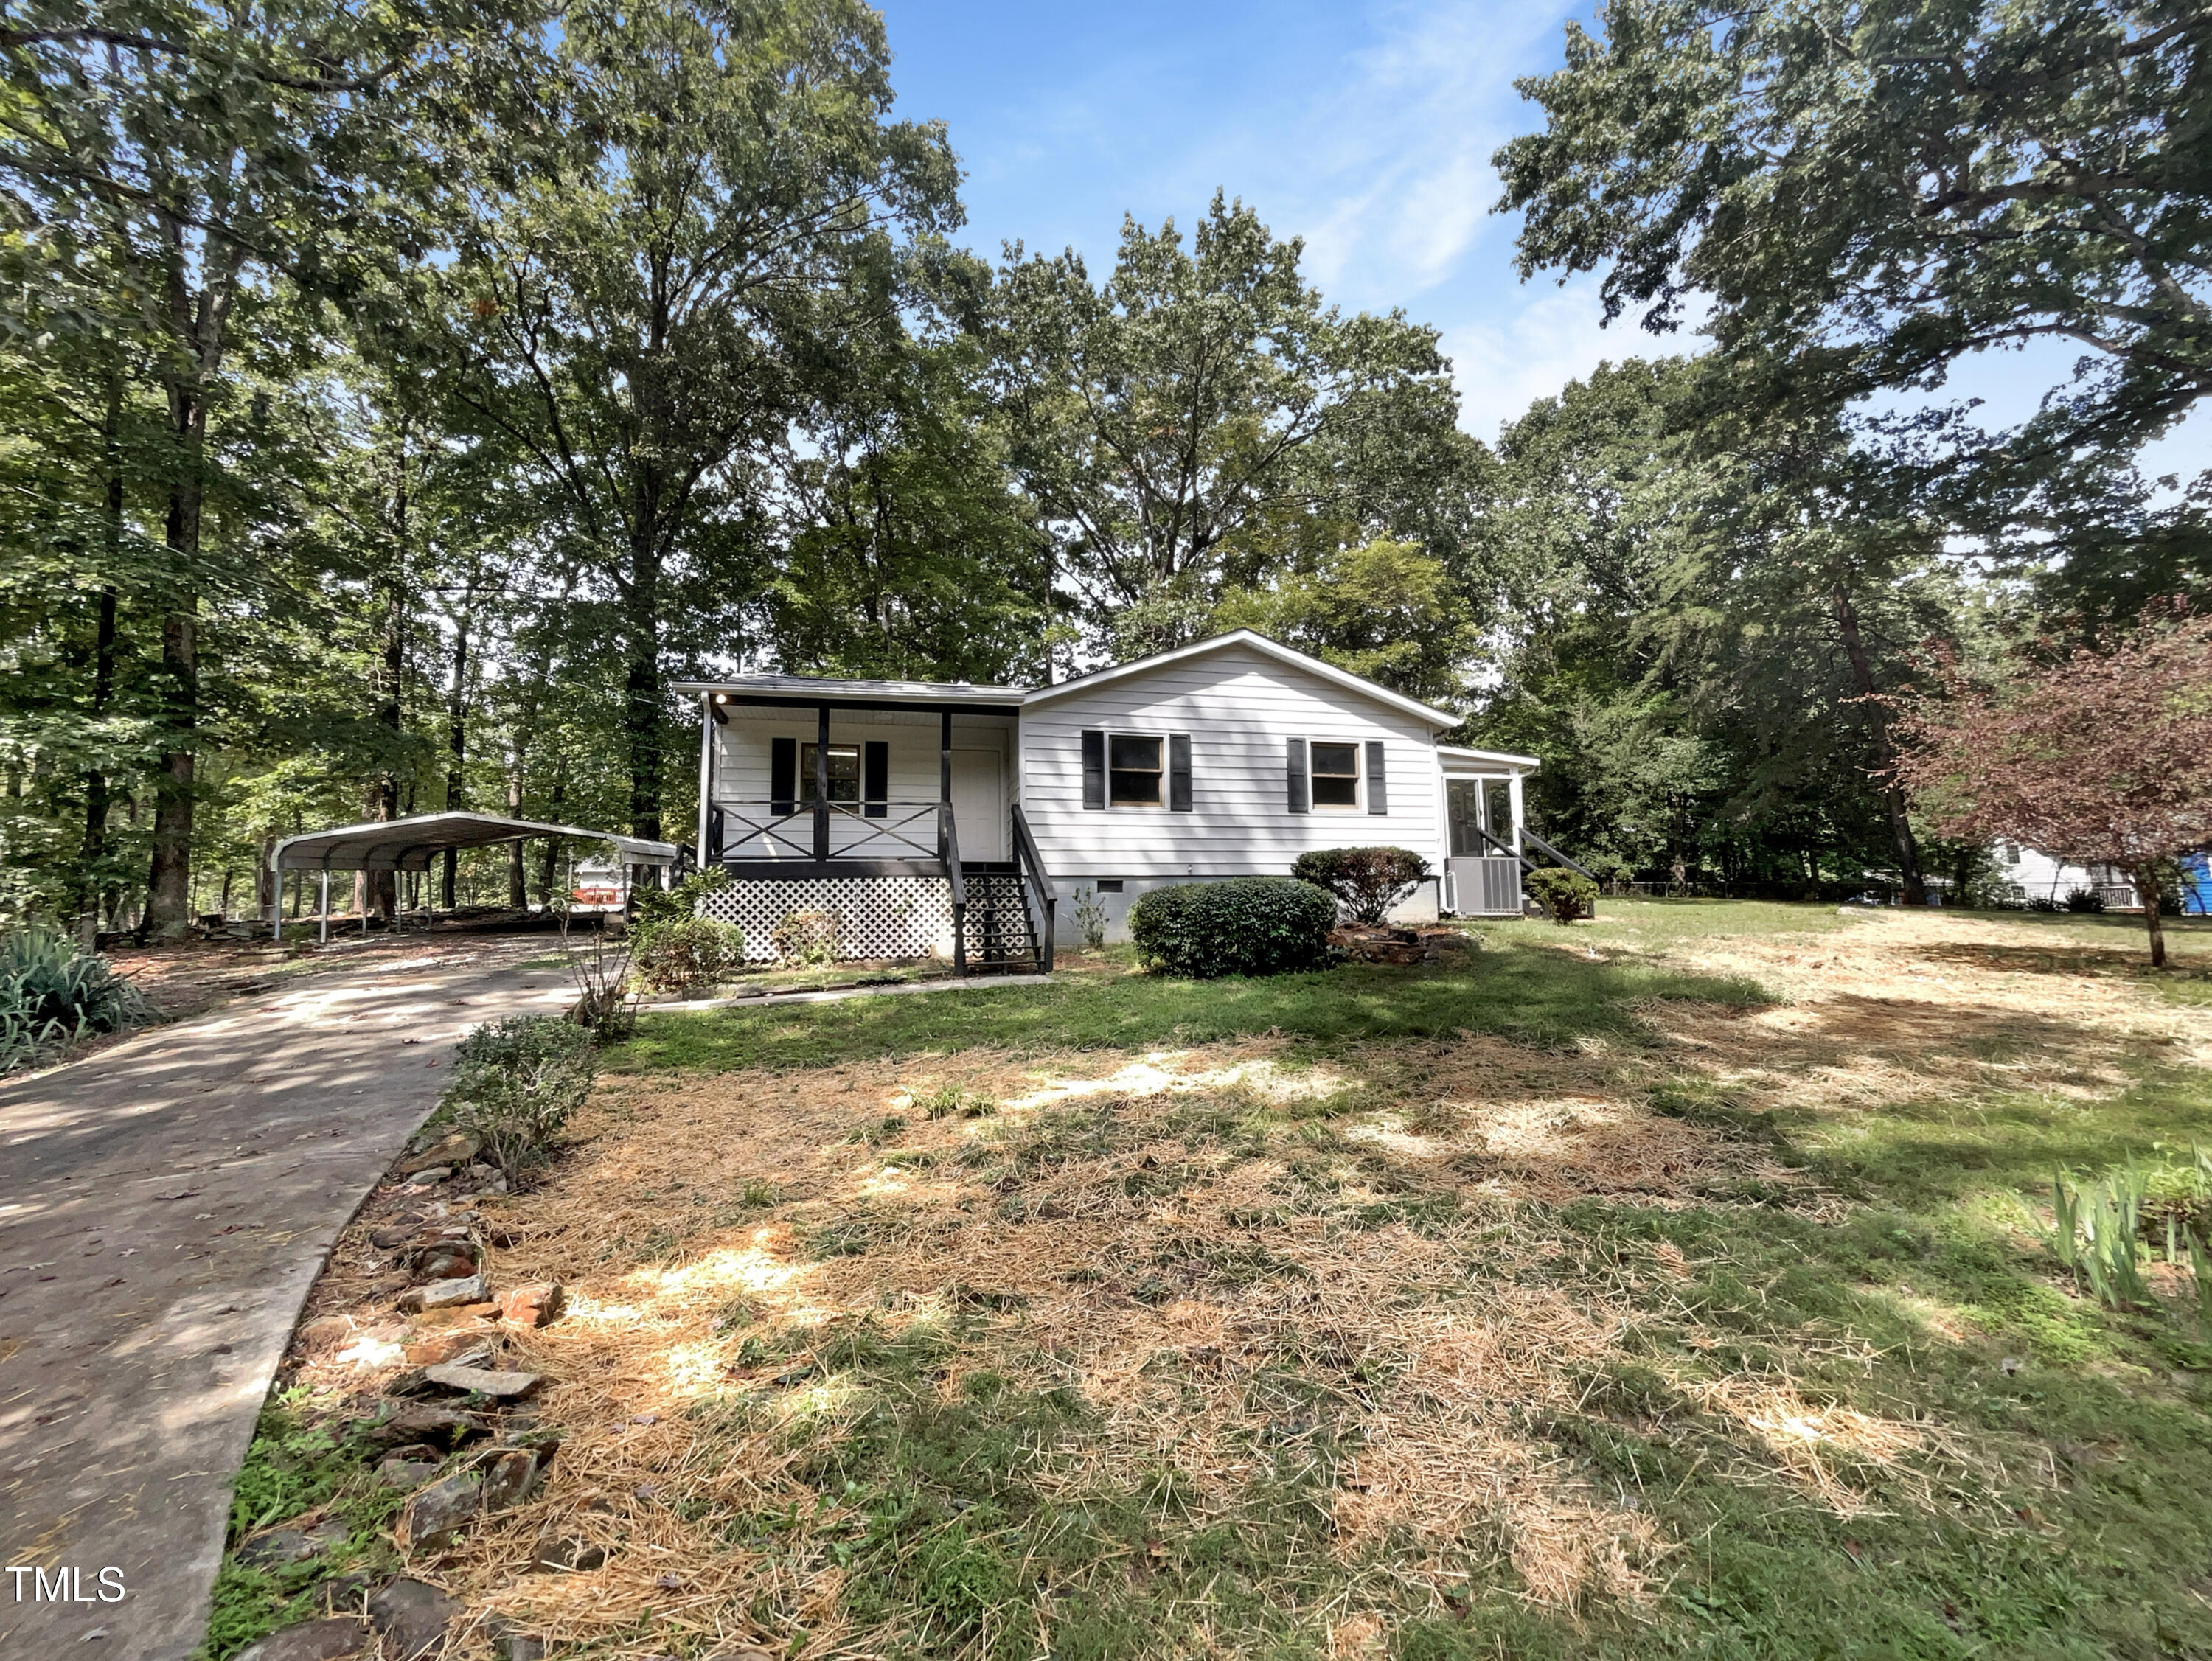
x,y
1344,679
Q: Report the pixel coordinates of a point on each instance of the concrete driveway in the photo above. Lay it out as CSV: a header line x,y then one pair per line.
x,y
164,1208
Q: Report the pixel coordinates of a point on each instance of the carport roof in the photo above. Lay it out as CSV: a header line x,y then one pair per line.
x,y
409,844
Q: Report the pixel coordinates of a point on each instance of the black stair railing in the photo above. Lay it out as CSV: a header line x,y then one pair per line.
x,y
948,853
1042,898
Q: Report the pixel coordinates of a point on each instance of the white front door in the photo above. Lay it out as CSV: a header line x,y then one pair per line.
x,y
979,803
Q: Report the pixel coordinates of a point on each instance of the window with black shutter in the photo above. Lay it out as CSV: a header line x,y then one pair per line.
x,y
1179,773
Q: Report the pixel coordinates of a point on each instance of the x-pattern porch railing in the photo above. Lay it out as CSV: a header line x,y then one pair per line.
x,y
901,830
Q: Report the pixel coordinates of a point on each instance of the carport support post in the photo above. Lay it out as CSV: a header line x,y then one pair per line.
x,y
326,905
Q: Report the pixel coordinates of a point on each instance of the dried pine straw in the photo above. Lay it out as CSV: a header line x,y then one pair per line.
x,y
1901,1005
1165,1235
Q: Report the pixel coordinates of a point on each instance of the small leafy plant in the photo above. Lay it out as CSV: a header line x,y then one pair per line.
x,y
807,939
685,952
675,946
1091,918
1564,895
517,1082
2102,1231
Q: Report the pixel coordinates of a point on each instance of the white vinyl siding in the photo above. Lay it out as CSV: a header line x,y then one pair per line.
x,y
1239,707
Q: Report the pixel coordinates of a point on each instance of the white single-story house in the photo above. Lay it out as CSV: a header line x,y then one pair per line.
x,y
2037,875
973,820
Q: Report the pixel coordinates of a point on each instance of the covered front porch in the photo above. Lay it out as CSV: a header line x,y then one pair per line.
x,y
889,805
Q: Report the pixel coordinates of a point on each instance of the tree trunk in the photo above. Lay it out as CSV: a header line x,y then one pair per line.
x,y
1900,823
169,883
552,866
2146,879
642,714
457,740
94,848
383,886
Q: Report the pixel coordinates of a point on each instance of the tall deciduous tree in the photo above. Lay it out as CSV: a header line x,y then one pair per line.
x,y
719,196
2101,756
1174,422
1866,191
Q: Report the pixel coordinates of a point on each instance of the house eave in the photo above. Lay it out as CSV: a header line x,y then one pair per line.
x,y
1437,719
1462,754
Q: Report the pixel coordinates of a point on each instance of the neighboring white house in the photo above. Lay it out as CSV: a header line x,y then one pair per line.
x,y
2038,876
963,819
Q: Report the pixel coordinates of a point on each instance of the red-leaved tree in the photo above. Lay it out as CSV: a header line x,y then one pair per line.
x,y
2098,757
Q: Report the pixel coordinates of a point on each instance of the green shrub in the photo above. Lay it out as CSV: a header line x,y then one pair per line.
x,y
1366,881
516,1082
685,952
1247,926
1564,894
51,994
2084,899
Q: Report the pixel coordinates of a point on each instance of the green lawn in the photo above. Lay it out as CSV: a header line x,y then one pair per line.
x,y
1531,987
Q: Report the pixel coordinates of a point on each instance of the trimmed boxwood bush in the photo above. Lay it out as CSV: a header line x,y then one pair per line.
x,y
1246,925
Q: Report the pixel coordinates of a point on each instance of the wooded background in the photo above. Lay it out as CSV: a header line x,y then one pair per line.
x,y
394,399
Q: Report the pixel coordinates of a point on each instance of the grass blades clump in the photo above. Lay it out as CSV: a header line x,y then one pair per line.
x,y
52,995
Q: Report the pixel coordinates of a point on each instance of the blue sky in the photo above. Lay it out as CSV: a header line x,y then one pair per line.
x,y
1366,129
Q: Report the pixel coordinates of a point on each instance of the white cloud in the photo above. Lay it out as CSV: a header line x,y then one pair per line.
x,y
1554,337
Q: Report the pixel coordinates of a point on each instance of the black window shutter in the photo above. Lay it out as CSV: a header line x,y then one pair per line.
x,y
1093,770
783,775
1179,773
1378,798
1294,758
875,777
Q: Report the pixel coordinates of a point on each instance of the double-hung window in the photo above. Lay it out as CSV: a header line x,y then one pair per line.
x,y
844,773
1336,775
1133,770
1136,770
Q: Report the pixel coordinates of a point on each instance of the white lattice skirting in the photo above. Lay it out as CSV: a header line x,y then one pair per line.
x,y
878,917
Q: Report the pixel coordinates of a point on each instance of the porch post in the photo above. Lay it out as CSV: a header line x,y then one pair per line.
x,y
1513,792
945,756
821,782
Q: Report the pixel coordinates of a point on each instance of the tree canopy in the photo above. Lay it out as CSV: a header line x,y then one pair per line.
x,y
394,401
1859,195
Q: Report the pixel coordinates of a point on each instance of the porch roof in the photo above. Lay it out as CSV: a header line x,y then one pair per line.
x,y
409,844
1458,758
802,691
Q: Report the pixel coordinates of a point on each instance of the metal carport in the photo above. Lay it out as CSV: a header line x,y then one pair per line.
x,y
410,844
